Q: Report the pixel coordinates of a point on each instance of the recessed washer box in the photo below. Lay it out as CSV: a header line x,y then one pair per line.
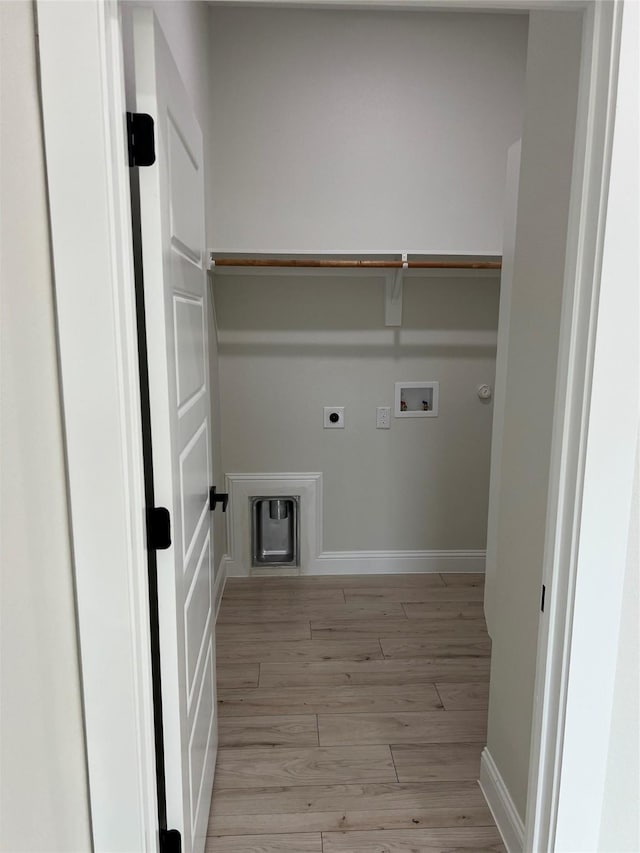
x,y
416,399
275,530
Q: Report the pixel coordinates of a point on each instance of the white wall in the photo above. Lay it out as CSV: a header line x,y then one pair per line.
x,y
186,27
343,130
599,792
44,797
290,345
538,269
620,814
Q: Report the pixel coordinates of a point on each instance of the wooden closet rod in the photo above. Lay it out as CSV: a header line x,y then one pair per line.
x,y
352,263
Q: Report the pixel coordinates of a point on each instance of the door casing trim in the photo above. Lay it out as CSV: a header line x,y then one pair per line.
x,y
84,119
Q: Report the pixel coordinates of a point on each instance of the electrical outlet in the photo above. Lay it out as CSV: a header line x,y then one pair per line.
x,y
334,417
383,417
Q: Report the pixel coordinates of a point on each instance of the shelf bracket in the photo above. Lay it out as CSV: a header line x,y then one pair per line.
x,y
393,294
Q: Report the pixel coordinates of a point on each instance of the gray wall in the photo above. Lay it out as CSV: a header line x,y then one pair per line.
x,y
291,345
340,130
357,130
547,152
44,797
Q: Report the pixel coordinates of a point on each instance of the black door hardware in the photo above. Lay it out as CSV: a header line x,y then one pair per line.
x,y
216,498
158,529
170,841
140,139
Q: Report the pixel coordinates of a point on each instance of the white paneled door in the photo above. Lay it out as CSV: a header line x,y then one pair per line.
x,y
175,293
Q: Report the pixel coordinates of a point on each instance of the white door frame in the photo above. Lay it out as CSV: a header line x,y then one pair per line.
x,y
587,215
594,452
91,235
93,267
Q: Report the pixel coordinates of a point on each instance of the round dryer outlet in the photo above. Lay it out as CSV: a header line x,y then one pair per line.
x,y
334,417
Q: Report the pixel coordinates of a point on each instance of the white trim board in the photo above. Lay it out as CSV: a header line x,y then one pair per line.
x,y
502,807
376,563
397,562
242,486
578,335
591,726
348,274
83,107
314,560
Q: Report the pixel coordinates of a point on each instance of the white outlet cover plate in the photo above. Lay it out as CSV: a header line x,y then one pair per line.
x,y
383,417
328,411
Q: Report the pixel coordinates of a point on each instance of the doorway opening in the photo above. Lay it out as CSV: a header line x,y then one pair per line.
x,y
95,722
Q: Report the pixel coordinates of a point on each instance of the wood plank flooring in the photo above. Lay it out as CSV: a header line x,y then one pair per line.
x,y
352,715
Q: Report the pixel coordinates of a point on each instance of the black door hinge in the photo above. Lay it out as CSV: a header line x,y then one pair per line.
x,y
141,139
544,592
158,529
170,841
216,498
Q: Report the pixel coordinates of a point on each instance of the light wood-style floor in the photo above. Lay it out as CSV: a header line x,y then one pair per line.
x,y
352,716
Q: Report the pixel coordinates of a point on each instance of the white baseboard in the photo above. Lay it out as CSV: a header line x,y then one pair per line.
x,y
502,807
233,569
218,585
375,563
275,572
396,562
